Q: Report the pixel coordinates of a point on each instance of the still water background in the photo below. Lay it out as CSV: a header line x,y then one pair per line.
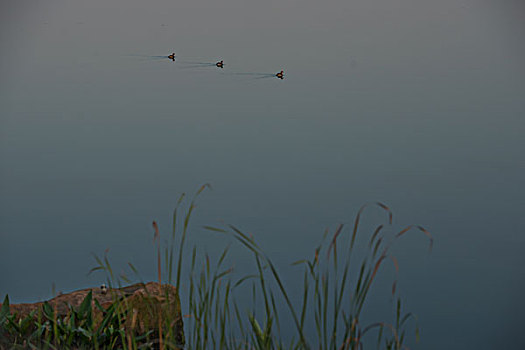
x,y
418,104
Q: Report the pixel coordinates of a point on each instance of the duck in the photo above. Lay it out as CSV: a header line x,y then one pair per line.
x,y
280,75
220,64
172,56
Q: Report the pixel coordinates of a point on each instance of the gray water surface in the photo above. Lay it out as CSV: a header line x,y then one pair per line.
x,y
418,104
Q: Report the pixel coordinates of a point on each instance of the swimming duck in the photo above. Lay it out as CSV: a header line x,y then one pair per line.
x,y
220,64
280,75
172,56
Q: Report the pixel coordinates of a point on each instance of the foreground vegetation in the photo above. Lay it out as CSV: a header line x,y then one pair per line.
x,y
336,281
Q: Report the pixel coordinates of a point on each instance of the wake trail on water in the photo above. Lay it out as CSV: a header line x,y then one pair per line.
x,y
265,77
204,64
156,57
150,58
195,64
253,75
197,67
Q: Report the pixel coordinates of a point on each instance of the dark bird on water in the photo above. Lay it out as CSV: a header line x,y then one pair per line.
x,y
280,75
220,64
172,56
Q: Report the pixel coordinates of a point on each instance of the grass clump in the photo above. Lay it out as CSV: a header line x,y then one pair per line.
x,y
228,310
45,329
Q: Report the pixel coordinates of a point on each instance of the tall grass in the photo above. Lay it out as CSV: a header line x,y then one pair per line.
x,y
324,311
328,313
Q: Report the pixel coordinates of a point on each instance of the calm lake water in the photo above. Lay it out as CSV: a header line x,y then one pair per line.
x,y
418,104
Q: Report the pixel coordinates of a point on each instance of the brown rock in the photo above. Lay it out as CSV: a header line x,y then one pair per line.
x,y
143,305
